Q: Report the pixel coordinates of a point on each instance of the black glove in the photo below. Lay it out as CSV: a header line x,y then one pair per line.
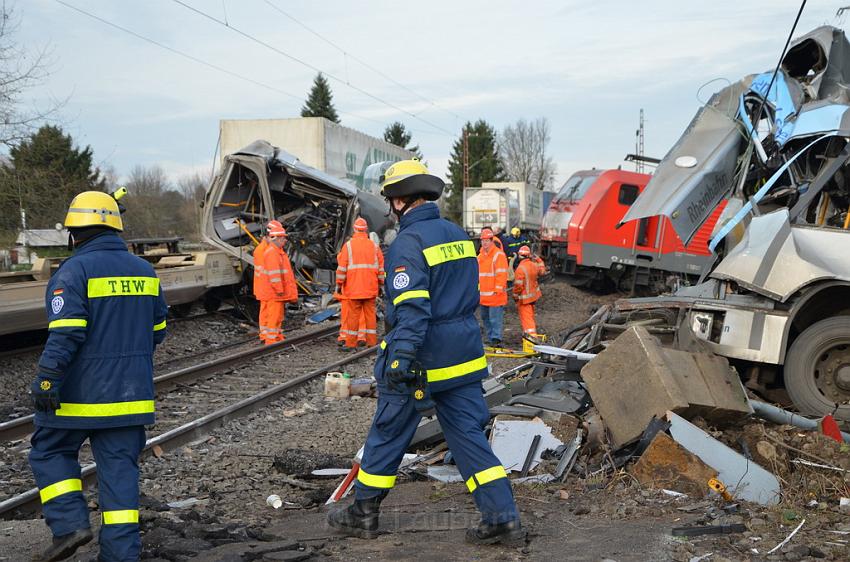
x,y
398,373
45,393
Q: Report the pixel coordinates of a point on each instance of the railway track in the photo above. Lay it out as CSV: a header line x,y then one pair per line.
x,y
203,352
23,426
42,334
28,502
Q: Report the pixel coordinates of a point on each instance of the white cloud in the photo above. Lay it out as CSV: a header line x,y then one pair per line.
x,y
588,67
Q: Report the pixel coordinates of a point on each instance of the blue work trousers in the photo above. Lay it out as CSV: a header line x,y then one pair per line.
x,y
492,317
54,459
462,413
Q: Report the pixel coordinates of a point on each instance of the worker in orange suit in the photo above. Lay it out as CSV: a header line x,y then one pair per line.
x,y
359,275
526,291
261,281
281,282
343,310
492,284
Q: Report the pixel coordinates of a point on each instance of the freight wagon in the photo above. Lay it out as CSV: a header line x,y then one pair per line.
x,y
185,278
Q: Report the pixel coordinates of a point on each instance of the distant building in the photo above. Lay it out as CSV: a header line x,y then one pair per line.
x,y
39,242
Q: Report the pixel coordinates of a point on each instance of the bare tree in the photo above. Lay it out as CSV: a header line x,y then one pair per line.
x,y
149,211
20,70
193,187
156,207
522,149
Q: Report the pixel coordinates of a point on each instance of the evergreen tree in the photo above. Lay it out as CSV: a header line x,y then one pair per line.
x,y
397,134
484,165
320,101
43,174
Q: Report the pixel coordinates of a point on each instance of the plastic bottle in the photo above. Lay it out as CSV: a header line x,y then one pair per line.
x,y
337,385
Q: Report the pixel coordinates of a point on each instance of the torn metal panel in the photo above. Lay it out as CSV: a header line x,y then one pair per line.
x,y
820,60
743,478
510,440
776,259
712,160
447,473
699,171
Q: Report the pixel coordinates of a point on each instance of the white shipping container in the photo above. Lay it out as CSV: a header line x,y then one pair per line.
x,y
334,149
485,207
502,204
528,199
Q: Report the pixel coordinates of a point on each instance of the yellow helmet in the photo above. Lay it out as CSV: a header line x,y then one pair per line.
x,y
515,231
411,177
94,208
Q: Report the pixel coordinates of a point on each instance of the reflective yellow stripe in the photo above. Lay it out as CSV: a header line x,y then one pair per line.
x,y
421,294
123,286
383,344
160,326
68,323
460,370
375,480
449,251
485,476
62,487
121,517
106,410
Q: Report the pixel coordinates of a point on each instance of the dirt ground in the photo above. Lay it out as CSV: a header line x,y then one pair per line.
x,y
223,481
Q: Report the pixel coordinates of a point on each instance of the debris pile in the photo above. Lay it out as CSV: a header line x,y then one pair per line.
x,y
651,412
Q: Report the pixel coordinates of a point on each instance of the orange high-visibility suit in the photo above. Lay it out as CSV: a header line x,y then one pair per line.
x,y
281,290
343,310
527,291
260,286
359,275
493,276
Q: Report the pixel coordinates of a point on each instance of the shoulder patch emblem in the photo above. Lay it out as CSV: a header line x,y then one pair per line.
x,y
56,304
400,281
58,292
399,269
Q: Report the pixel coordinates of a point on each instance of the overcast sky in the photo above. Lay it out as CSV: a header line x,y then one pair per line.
x,y
589,67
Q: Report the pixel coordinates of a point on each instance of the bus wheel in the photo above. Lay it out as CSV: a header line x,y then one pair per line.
x,y
817,368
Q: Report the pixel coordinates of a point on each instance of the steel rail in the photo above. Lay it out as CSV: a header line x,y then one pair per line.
x,y
23,426
29,501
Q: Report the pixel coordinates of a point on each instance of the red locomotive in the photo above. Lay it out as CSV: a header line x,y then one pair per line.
x,y
579,236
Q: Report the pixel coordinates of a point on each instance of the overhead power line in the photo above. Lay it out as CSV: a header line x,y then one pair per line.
x,y
204,62
358,59
311,66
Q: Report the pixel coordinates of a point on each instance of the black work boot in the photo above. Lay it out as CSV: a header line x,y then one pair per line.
x,y
65,546
360,519
510,533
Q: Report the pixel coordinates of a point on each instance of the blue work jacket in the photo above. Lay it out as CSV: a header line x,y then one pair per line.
x,y
512,244
431,294
106,314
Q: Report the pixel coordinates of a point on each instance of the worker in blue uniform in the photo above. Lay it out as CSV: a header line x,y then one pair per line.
x,y
431,295
514,242
106,314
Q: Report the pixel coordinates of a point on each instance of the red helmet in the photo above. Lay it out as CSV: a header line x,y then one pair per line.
x,y
486,234
524,251
276,230
360,225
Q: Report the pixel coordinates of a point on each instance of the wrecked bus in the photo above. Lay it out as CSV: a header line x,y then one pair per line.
x,y
262,182
776,298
